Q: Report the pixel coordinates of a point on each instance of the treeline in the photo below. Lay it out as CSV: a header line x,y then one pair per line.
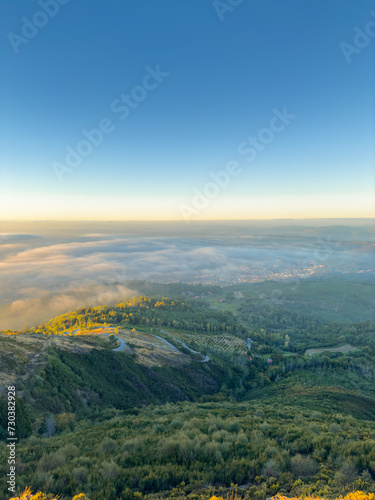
x,y
148,311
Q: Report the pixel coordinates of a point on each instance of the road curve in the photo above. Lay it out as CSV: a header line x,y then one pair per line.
x,y
205,357
122,345
165,341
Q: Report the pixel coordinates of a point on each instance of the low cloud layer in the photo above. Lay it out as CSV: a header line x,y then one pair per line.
x,y
33,310
46,274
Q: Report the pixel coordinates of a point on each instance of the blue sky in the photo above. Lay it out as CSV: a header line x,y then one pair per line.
x,y
225,79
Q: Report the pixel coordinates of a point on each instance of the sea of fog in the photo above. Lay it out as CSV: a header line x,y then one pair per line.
x,y
48,268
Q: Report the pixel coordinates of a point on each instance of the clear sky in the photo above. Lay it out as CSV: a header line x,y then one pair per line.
x,y
201,81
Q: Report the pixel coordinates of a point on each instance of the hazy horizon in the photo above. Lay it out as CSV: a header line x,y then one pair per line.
x,y
48,268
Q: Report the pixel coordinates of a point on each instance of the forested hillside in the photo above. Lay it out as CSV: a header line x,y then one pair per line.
x,y
162,312
265,398
178,450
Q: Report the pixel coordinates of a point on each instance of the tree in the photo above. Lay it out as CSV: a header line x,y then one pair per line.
x,y
48,426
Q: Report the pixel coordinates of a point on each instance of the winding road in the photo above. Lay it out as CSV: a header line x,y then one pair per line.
x,y
205,357
122,345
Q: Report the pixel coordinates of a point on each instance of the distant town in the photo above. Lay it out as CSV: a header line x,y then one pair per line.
x,y
254,274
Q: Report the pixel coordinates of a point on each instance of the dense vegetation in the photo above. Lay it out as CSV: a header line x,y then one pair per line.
x,y
86,383
179,449
273,419
162,312
283,328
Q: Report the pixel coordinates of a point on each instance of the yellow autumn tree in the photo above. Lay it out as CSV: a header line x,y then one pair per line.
x,y
29,495
356,495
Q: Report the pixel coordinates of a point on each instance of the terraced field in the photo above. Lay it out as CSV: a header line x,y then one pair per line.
x,y
219,342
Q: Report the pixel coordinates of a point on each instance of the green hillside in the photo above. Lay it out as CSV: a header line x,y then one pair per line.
x,y
330,299
180,450
266,398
